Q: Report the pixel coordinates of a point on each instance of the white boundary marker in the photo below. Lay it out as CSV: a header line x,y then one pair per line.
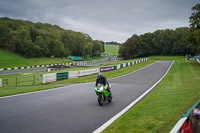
x,y
178,125
105,125
69,85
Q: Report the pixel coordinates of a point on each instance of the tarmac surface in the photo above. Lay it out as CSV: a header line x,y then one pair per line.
x,y
74,108
23,71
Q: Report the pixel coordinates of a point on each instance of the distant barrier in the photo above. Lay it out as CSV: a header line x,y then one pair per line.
x,y
37,66
77,63
52,77
198,61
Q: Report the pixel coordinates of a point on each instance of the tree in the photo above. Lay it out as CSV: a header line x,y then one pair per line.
x,y
128,50
38,39
145,47
194,36
180,45
87,50
195,17
97,47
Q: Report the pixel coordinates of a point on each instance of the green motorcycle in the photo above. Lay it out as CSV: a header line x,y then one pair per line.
x,y
103,94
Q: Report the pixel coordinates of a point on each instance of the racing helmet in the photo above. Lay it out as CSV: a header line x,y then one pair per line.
x,y
99,75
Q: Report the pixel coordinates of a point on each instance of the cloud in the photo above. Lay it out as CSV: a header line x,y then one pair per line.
x,y
107,20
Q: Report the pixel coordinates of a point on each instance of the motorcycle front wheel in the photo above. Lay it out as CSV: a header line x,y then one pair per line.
x,y
100,99
110,98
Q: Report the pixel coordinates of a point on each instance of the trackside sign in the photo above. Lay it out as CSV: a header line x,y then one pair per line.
x,y
105,69
88,72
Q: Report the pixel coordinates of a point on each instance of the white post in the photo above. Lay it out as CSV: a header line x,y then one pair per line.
x,y
0,82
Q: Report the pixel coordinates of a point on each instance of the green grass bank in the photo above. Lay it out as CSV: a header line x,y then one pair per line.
x,y
163,107
111,49
8,59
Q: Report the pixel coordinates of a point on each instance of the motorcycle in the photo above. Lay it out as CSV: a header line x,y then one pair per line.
x,y
103,94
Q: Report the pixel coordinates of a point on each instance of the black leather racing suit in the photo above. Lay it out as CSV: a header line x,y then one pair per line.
x,y
102,80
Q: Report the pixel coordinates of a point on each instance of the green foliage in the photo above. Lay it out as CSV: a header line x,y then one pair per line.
x,y
128,50
194,35
160,42
44,40
194,18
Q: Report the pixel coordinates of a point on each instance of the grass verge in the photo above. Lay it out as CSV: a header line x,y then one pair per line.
x,y
162,108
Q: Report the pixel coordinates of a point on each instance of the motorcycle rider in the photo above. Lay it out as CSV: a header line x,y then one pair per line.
x,y
102,80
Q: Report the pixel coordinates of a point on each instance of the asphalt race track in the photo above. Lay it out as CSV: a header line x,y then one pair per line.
x,y
74,109
23,71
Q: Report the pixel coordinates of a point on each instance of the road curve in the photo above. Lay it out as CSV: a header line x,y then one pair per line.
x,y
74,109
23,71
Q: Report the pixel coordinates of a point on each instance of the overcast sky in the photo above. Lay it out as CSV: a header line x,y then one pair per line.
x,y
107,20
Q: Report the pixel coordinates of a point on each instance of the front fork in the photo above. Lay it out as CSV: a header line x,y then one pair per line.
x,y
102,96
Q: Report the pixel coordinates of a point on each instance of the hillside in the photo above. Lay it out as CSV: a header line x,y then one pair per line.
x,y
111,49
8,59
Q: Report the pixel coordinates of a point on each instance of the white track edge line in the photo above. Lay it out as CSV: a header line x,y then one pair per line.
x,y
52,89
105,125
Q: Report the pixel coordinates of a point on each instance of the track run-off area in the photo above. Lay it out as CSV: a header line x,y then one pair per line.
x,y
74,108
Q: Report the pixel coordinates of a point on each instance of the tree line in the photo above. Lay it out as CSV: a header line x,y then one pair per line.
x,y
112,43
181,41
44,40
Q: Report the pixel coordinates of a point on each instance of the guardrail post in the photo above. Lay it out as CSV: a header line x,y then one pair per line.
x,y
16,81
0,82
34,79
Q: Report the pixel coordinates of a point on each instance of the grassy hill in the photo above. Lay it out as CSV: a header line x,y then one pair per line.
x,y
8,59
111,49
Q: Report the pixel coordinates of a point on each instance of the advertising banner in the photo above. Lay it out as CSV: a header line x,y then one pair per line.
x,y
73,74
88,72
47,78
105,69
